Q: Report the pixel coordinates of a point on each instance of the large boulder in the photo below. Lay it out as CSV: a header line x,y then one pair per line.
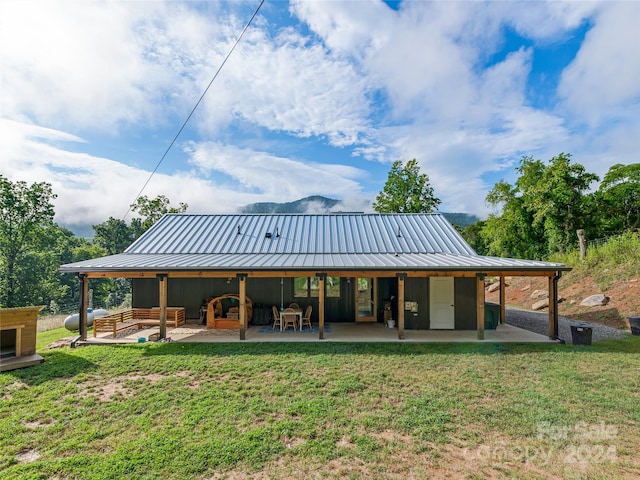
x,y
540,304
540,294
596,300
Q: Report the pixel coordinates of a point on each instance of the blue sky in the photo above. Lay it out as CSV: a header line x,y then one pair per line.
x,y
319,98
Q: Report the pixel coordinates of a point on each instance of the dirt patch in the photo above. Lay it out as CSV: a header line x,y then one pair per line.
x,y
28,456
35,425
572,289
117,386
63,342
113,389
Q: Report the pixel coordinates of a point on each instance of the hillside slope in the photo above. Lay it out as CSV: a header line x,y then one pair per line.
x,y
620,284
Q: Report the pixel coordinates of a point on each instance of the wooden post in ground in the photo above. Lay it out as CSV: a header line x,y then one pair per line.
x,y
162,286
401,279
242,277
583,244
480,304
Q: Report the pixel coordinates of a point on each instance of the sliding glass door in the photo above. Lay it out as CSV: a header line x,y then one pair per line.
x,y
365,300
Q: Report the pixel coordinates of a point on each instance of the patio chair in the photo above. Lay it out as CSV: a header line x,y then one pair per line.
x,y
277,321
289,317
294,305
306,318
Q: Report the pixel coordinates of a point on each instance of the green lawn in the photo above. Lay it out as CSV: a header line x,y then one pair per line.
x,y
323,410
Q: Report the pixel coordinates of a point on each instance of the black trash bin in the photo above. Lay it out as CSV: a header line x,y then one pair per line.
x,y
581,334
491,315
634,323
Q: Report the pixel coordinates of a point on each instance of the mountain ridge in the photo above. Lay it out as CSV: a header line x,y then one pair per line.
x,y
321,204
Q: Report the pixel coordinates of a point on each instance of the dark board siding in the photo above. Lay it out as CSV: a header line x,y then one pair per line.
x,y
465,301
417,290
193,293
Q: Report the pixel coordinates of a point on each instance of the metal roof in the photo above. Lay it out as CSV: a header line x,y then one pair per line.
x,y
309,262
406,242
294,234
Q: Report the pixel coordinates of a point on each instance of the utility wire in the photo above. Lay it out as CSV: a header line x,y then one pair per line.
x,y
184,124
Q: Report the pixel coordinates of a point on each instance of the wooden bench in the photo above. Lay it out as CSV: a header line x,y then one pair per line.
x,y
137,317
151,316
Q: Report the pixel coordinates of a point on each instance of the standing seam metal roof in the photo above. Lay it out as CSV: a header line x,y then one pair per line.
x,y
295,234
393,242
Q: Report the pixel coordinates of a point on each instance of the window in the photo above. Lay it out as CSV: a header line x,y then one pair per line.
x,y
307,287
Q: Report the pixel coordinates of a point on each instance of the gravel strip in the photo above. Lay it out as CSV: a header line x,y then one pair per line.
x,y
539,323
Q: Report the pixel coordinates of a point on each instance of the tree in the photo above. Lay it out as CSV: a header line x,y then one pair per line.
x,y
406,191
473,235
113,235
541,213
77,250
26,211
152,210
560,201
513,233
618,198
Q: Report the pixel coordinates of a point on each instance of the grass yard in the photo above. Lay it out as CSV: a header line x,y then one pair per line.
x,y
323,410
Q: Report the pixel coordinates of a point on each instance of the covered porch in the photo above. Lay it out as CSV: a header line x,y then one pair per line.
x,y
377,331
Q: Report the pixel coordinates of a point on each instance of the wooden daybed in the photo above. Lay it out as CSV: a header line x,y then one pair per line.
x,y
137,317
216,318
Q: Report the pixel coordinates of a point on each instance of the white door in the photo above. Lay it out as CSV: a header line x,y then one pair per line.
x,y
441,301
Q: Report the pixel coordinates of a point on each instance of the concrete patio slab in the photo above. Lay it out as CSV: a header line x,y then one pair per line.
x,y
339,332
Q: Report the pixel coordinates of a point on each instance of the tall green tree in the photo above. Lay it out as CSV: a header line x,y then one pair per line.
x,y
513,232
151,210
542,211
406,191
561,203
26,212
113,235
618,198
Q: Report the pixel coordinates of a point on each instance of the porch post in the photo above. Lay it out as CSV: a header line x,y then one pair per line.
x,y
242,278
502,300
480,304
162,286
83,315
401,278
553,306
321,279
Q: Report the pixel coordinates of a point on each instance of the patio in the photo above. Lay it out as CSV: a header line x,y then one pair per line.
x,y
337,332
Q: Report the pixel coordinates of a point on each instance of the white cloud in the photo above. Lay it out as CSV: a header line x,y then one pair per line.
x,y
266,177
283,83
89,189
602,82
377,83
101,65
545,21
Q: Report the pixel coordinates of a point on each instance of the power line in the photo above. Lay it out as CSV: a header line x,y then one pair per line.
x,y
184,124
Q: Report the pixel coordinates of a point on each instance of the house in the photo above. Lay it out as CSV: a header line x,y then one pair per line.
x,y
351,267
